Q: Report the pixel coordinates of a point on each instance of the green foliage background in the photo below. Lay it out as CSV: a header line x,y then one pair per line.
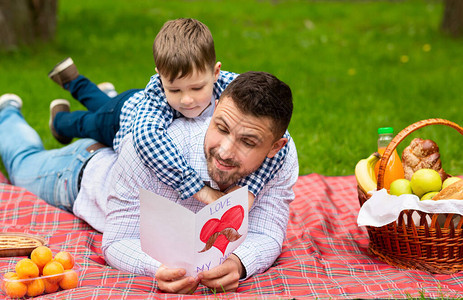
x,y
353,66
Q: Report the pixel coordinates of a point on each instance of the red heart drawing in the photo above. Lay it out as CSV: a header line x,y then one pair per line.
x,y
232,218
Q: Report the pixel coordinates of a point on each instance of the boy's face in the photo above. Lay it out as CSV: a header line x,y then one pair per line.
x,y
236,144
192,94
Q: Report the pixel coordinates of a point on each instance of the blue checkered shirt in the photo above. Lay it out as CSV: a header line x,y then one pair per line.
x,y
147,115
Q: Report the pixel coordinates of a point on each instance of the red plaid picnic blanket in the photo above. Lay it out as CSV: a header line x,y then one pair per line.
x,y
324,256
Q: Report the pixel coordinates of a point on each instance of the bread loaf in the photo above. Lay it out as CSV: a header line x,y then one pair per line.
x,y
453,191
422,154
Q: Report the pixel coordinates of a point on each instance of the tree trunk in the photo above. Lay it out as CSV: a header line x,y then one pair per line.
x,y
26,21
452,22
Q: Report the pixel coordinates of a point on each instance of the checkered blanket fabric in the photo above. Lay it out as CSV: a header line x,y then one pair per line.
x,y
324,256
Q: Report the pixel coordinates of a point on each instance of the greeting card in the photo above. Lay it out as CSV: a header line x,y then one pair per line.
x,y
179,238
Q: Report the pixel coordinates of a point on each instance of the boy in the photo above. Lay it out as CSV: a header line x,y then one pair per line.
x,y
187,83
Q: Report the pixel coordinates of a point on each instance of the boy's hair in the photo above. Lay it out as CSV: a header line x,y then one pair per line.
x,y
182,46
262,95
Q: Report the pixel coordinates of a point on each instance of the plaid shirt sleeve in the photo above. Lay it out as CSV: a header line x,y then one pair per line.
x,y
155,147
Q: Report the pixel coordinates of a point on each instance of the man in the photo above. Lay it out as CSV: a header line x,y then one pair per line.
x,y
247,126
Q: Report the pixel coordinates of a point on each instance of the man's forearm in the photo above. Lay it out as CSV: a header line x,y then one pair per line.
x,y
126,255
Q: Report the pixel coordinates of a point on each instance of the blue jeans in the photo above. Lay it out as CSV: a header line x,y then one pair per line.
x,y
101,121
52,175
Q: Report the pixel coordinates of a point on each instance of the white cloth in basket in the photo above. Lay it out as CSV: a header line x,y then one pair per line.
x,y
382,208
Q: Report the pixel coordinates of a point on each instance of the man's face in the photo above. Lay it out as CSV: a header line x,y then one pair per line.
x,y
236,144
192,94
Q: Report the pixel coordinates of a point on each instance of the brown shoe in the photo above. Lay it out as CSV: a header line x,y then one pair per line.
x,y
64,72
56,106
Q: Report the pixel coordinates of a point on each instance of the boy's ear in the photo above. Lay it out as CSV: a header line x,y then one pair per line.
x,y
276,147
156,69
217,67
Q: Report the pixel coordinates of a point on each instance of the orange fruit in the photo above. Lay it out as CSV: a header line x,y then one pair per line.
x,y
53,268
41,255
26,268
36,287
6,276
66,259
15,288
69,280
50,287
9,275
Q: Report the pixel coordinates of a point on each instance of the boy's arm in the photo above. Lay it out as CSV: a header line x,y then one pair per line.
x,y
156,148
259,178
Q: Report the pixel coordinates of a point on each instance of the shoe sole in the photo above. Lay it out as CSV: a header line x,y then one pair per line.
x,y
61,66
61,139
53,104
8,97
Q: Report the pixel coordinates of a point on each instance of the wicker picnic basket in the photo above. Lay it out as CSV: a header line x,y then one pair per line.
x,y
430,247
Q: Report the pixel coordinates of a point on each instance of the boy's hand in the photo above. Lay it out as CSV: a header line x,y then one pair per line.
x,y
208,195
174,281
225,277
251,196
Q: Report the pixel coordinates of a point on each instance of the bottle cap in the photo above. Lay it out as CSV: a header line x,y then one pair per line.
x,y
384,130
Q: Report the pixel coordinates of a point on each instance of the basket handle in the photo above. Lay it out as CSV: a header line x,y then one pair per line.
x,y
401,136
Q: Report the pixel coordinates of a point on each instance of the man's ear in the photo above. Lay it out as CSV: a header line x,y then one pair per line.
x,y
276,147
217,67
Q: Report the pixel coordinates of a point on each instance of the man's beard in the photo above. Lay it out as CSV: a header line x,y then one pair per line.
x,y
219,176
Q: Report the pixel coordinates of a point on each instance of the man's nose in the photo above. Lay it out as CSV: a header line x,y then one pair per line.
x,y
227,147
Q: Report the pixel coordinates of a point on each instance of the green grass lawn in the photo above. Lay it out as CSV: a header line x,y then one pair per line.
x,y
352,66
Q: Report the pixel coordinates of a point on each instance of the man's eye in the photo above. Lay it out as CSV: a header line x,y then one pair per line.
x,y
249,143
222,129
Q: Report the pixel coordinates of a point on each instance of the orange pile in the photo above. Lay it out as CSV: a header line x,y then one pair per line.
x,y
42,273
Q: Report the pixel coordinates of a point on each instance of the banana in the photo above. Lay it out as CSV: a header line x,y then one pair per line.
x,y
365,172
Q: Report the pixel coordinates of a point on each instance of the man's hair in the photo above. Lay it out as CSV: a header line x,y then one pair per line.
x,y
183,46
261,94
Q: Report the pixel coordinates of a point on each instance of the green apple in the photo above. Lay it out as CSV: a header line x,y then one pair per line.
x,y
449,181
424,181
399,187
428,196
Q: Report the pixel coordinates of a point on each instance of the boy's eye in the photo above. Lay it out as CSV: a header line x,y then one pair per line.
x,y
197,88
174,91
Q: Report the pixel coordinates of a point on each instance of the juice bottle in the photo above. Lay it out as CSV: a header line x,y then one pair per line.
x,y
394,169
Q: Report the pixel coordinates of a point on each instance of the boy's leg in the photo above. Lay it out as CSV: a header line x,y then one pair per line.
x,y
65,74
87,93
50,174
100,125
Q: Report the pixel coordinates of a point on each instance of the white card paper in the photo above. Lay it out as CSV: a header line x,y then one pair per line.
x,y
179,238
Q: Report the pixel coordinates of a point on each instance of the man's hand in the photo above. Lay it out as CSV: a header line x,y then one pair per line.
x,y
174,281
208,195
225,277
